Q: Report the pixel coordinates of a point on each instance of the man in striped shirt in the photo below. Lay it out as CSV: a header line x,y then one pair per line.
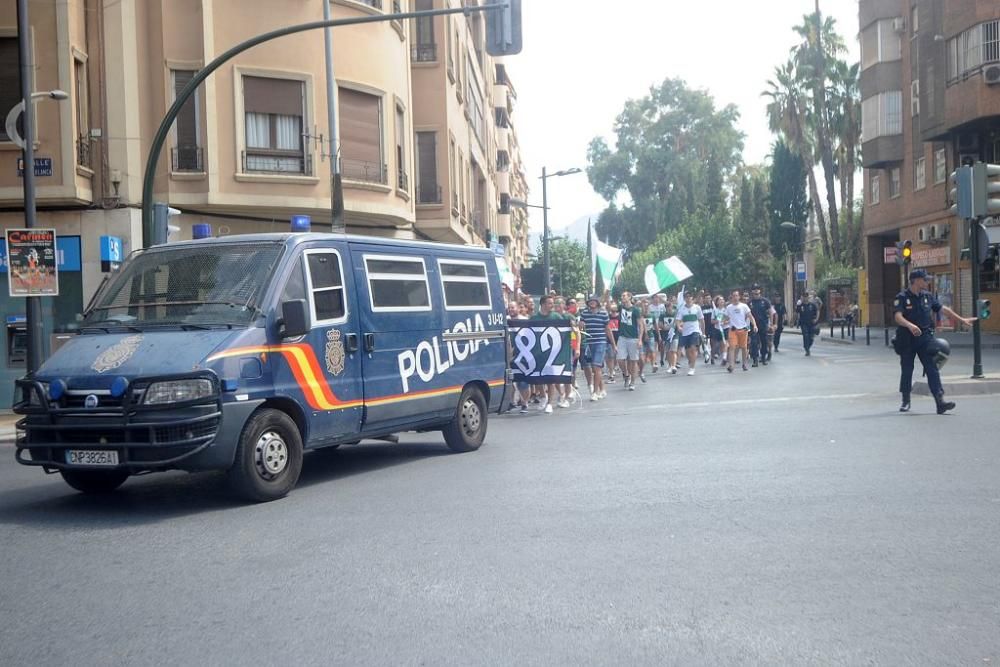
x,y
596,333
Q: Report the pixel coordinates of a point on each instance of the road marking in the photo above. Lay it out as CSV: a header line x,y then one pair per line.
x,y
754,401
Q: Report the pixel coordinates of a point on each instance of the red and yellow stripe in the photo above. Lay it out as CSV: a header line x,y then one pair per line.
x,y
309,376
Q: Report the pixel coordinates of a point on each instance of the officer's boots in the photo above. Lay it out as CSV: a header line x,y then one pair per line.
x,y
943,406
905,405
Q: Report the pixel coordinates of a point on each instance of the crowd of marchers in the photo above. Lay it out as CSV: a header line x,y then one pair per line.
x,y
635,335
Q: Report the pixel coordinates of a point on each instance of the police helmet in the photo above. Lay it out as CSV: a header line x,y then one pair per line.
x,y
942,350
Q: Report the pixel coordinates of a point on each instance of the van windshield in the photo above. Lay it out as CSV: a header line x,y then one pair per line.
x,y
217,284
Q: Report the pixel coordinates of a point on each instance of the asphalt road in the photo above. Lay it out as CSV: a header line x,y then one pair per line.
x,y
788,515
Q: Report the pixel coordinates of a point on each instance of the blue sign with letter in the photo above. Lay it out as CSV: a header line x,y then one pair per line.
x,y
43,166
111,249
68,256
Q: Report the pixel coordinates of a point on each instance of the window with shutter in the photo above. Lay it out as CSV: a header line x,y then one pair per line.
x,y
187,151
274,115
428,191
361,137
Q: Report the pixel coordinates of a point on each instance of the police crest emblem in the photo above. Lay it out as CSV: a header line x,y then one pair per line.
x,y
334,352
117,354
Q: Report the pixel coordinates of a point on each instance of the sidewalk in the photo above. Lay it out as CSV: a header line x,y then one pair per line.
x,y
957,339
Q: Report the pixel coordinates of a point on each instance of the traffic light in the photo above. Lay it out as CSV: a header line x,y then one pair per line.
x,y
904,252
976,190
983,309
961,193
503,28
989,177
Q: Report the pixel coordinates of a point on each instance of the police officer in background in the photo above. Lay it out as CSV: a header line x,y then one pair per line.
x,y
915,310
807,313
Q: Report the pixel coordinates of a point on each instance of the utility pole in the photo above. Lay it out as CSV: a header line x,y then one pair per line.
x,y
336,179
545,235
33,304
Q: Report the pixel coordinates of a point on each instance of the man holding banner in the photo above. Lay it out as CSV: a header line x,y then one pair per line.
x,y
542,354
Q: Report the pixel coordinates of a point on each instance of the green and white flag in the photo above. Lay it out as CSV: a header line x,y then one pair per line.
x,y
665,273
606,263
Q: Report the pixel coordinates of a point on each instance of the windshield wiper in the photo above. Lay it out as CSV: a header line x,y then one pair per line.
x,y
109,325
155,304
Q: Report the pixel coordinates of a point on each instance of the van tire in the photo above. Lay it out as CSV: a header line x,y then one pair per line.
x,y
466,432
94,481
268,457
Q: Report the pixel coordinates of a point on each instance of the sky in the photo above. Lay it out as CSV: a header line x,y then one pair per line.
x,y
582,60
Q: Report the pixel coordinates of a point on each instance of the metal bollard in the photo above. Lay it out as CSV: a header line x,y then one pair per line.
x,y
868,335
841,331
887,338
831,328
854,330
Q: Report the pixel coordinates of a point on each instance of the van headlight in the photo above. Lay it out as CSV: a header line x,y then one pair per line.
x,y
178,391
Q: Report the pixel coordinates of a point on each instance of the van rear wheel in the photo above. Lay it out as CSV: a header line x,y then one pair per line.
x,y
94,481
268,457
466,432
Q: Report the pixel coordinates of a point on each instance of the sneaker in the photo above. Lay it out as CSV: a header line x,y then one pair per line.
x,y
755,363
548,409
602,394
524,409
630,387
594,397
690,371
673,370
729,368
610,380
642,378
655,368
745,367
563,403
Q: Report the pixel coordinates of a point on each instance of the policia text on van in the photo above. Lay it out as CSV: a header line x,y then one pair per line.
x,y
239,353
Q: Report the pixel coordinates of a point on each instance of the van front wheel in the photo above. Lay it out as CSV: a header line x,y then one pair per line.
x,y
466,432
268,457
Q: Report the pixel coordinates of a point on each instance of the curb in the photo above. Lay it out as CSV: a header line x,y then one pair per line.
x,y
961,387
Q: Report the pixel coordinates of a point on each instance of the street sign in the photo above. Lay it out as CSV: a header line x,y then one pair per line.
x,y
889,254
43,166
31,262
800,271
111,253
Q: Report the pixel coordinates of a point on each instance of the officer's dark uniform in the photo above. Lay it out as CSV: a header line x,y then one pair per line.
x,y
760,308
921,310
781,312
808,312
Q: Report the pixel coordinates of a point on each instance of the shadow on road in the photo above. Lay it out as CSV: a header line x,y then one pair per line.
x,y
150,498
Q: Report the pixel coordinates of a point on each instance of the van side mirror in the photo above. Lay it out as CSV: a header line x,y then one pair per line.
x,y
294,318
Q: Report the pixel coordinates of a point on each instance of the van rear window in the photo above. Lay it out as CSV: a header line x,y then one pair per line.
x,y
398,283
465,285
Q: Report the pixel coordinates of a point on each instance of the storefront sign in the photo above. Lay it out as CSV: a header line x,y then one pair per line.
x,y
889,254
111,253
31,262
938,256
43,166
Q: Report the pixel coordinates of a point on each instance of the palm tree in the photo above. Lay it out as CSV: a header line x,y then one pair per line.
x,y
813,57
845,102
786,113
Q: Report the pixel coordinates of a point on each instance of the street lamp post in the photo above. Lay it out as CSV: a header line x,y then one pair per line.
x,y
545,221
33,304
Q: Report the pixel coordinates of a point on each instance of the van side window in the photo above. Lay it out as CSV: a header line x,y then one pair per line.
x,y
295,286
327,284
398,283
465,285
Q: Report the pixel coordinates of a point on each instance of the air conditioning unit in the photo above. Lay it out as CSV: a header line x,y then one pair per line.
x,y
933,233
991,75
944,231
923,234
898,24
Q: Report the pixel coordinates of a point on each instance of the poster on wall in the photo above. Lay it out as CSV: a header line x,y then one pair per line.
x,y
31,262
944,287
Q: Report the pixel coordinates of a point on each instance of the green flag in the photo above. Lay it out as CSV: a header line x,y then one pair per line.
x,y
665,273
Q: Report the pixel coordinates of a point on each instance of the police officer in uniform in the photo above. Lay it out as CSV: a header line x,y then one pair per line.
x,y
807,312
915,310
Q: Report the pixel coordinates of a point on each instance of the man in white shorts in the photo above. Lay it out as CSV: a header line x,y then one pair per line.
x,y
691,322
630,332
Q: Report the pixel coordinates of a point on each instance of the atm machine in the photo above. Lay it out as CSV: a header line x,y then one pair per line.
x,y
17,341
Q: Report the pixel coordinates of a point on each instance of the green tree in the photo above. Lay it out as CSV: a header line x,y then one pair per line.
x,y
787,201
672,151
845,101
570,266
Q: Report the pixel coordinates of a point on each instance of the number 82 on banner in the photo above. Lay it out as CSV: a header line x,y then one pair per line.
x,y
541,352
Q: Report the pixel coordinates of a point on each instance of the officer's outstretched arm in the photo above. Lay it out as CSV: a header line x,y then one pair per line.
x,y
967,321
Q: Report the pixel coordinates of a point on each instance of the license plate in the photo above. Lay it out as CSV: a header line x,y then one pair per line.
x,y
92,457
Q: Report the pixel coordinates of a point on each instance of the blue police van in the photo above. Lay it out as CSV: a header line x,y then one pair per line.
x,y
239,353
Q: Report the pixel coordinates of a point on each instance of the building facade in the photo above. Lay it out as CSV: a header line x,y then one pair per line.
x,y
930,89
252,147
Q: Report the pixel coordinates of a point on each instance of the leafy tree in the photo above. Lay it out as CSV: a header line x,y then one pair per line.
x,y
672,150
570,266
787,201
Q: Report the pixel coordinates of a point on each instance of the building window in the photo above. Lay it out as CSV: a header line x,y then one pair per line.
x,y
10,81
940,166
971,49
919,174
474,107
81,86
428,190
914,20
273,118
452,169
881,115
424,48
914,98
880,43
361,137
186,155
894,178
402,178
873,189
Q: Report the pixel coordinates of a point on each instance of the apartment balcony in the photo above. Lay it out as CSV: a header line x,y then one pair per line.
x,y
429,193
504,228
882,151
500,93
83,158
503,181
186,159
276,164
503,139
423,53
364,171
